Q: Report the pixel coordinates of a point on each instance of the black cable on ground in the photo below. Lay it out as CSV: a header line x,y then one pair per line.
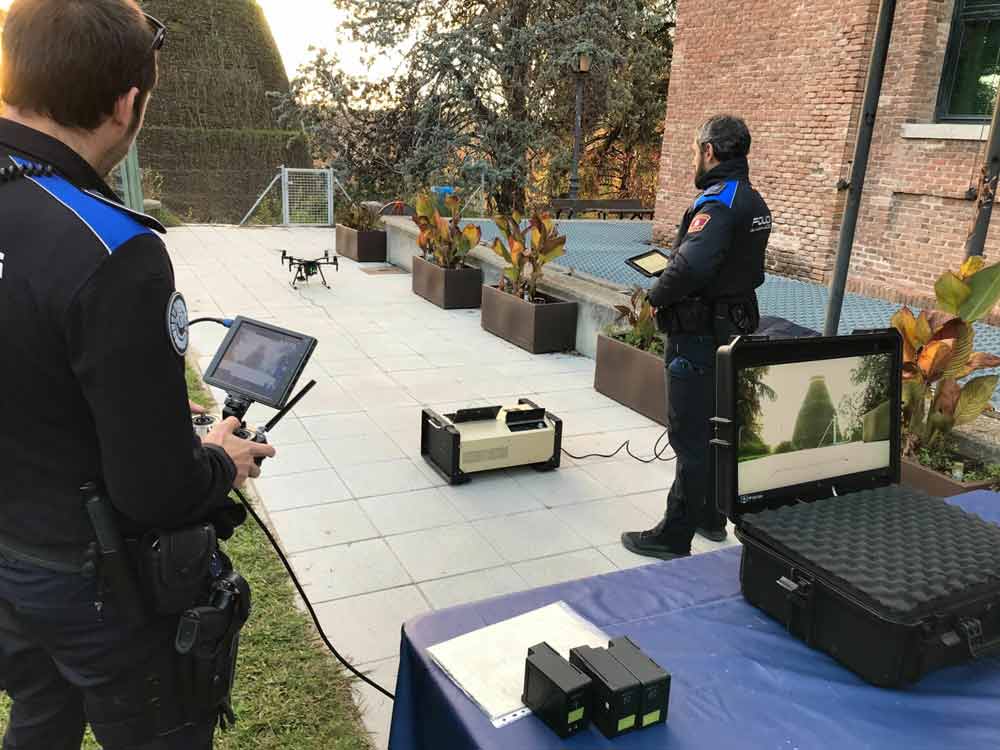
x,y
221,321
627,447
305,599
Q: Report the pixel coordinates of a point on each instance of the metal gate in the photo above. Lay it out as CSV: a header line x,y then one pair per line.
x,y
306,197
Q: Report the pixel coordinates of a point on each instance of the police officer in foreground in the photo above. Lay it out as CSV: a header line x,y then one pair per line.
x,y
704,298
92,389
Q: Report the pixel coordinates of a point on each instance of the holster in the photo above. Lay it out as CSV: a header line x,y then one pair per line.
x,y
174,567
207,642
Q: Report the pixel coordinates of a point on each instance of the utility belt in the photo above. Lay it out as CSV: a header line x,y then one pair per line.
x,y
181,573
721,318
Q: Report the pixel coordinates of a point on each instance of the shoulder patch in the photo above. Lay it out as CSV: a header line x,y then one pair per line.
x,y
111,224
724,192
698,223
177,323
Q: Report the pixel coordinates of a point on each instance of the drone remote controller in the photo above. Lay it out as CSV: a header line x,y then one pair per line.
x,y
257,436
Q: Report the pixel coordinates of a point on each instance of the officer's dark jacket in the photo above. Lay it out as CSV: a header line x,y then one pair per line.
x,y
91,387
719,250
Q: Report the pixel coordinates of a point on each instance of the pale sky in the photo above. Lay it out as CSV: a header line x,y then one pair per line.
x,y
791,383
297,24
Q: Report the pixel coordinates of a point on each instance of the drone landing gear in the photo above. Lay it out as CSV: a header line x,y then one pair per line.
x,y
303,269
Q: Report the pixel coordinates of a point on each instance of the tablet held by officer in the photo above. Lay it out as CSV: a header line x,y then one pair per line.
x,y
705,296
117,607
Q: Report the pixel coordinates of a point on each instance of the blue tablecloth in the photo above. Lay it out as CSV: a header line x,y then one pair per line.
x,y
739,680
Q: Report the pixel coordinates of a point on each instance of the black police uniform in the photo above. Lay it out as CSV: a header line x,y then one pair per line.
x,y
92,388
704,297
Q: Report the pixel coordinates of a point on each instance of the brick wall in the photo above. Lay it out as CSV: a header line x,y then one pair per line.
x,y
915,216
794,70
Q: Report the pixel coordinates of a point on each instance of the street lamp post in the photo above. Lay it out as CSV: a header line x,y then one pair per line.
x,y
582,69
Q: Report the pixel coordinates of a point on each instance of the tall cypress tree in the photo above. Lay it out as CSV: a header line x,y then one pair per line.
x,y
814,425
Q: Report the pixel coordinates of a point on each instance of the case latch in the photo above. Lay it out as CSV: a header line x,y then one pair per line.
x,y
972,629
799,595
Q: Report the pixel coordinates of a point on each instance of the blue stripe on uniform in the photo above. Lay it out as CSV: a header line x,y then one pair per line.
x,y
112,227
727,195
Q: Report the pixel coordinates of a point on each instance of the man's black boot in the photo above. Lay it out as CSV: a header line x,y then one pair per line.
x,y
714,534
663,541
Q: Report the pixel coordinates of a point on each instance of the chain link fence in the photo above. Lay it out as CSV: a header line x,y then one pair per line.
x,y
295,197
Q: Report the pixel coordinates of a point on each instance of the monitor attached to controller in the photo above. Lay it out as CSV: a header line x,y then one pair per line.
x,y
259,362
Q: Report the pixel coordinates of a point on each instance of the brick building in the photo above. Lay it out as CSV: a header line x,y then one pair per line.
x,y
795,70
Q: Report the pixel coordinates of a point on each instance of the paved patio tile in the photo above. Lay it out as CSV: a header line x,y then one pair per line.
x,y
348,570
384,478
529,535
294,459
367,628
332,426
489,495
471,587
603,522
376,709
565,486
409,511
352,450
568,567
299,490
322,526
631,477
623,559
447,551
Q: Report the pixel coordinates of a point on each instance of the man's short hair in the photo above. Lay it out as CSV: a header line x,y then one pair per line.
x,y
71,60
729,136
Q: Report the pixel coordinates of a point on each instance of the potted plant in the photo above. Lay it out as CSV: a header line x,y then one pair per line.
x,y
440,274
938,353
630,365
359,235
515,310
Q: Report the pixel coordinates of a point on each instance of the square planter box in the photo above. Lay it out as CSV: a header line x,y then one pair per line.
x,y
450,289
632,377
919,477
538,328
363,247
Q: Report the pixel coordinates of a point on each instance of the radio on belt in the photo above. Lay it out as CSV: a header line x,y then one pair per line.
x,y
490,437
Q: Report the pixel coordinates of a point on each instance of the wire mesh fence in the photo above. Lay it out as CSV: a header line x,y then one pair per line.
x,y
295,197
308,197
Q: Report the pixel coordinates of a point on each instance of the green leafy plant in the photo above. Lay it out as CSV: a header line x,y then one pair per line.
x,y
938,352
441,239
636,324
360,218
525,260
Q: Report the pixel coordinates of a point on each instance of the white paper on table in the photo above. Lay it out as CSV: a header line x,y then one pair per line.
x,y
488,664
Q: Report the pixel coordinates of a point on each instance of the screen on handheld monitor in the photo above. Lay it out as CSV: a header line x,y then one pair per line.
x,y
650,264
261,362
809,421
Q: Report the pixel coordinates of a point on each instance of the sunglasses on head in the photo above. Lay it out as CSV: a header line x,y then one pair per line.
x,y
159,32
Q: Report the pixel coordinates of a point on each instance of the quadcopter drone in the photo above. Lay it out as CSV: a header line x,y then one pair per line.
x,y
303,269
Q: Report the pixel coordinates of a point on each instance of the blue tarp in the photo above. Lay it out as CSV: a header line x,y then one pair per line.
x,y
739,680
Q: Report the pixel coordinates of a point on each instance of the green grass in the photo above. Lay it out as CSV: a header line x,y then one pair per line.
x,y
290,695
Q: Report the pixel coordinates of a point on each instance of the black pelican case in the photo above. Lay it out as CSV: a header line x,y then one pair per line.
x,y
890,582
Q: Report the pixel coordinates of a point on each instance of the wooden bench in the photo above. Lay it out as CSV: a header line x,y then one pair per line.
x,y
603,208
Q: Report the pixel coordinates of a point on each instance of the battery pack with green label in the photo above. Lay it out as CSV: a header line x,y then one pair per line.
x,y
556,692
617,692
655,680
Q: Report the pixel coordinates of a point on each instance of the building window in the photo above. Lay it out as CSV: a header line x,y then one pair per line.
x,y
972,62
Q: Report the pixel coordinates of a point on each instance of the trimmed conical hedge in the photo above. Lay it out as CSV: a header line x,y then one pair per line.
x,y
812,426
210,132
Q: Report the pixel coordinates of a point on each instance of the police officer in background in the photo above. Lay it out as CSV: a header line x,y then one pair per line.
x,y
704,298
92,389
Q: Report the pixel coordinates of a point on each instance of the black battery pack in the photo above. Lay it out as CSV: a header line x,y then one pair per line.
x,y
617,692
557,692
653,679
